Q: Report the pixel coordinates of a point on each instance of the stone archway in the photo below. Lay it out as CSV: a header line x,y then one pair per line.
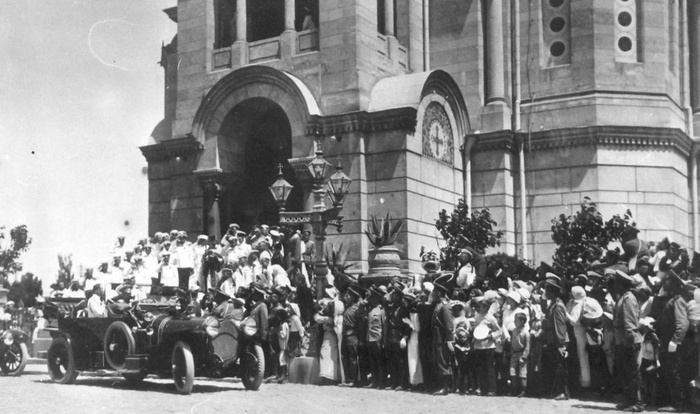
x,y
253,139
254,101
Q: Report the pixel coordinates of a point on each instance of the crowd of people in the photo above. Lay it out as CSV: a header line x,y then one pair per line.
x,y
624,324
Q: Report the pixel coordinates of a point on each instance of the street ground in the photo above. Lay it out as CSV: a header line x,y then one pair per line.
x,y
34,393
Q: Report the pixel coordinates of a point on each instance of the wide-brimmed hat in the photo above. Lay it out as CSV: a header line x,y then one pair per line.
x,y
515,296
260,288
623,277
491,295
482,300
123,286
356,290
578,293
375,290
455,304
553,283
593,274
552,276
219,292
398,286
410,296
238,300
444,282
591,309
481,332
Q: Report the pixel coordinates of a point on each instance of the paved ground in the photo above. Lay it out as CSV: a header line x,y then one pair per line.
x,y
34,393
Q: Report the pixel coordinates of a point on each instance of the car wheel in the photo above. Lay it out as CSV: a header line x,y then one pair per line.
x,y
118,344
14,360
183,367
253,361
61,362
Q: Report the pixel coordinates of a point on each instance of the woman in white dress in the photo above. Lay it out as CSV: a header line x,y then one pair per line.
x,y
415,370
329,361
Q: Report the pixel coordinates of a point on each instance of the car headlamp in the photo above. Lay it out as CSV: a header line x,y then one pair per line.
x,y
8,339
211,326
250,327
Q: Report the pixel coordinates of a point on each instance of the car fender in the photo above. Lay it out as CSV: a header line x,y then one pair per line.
x,y
18,335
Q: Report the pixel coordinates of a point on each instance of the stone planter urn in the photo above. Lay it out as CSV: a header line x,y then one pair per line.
x,y
384,266
384,260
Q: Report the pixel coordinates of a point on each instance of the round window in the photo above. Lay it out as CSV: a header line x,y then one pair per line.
x,y
624,18
557,49
625,44
557,24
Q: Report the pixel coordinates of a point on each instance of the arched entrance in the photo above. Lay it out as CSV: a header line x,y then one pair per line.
x,y
254,137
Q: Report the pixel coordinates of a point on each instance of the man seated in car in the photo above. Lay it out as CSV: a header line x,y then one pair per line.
x,y
222,308
96,307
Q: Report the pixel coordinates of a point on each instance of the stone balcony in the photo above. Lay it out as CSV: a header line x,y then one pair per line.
x,y
285,45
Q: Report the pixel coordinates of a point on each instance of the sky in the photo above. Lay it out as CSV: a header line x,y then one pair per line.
x,y
80,90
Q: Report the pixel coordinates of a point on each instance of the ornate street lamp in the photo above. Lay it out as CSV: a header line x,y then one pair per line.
x,y
338,186
280,189
321,215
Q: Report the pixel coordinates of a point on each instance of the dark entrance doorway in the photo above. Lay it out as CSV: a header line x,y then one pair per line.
x,y
257,137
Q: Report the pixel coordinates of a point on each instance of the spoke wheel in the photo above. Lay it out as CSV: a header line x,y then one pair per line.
x,y
13,361
183,368
61,362
253,361
118,344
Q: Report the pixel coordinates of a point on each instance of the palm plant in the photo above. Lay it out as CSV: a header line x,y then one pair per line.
x,y
382,232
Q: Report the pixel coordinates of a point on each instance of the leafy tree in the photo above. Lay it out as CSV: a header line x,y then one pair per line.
x,y
461,229
26,290
10,252
65,270
582,238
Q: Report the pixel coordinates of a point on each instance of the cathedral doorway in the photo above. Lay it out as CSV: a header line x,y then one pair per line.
x,y
256,136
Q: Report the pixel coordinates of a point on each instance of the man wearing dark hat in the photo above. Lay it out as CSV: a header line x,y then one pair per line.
x,y
375,337
350,343
259,313
555,340
223,309
670,311
397,331
628,342
442,327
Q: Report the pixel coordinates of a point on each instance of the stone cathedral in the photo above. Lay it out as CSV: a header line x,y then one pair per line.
x,y
523,107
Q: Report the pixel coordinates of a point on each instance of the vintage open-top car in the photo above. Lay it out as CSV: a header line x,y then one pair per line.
x,y
155,336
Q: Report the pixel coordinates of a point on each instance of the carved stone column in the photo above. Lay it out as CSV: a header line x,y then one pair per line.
x,y
494,51
288,39
239,49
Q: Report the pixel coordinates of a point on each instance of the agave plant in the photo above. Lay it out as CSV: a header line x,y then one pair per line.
x,y
381,232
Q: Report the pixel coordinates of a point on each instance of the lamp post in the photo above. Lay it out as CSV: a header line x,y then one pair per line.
x,y
334,189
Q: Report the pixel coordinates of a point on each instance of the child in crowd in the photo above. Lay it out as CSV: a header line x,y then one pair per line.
x,y
520,350
283,338
462,349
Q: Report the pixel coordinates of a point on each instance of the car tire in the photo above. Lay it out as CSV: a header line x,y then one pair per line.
x,y
118,344
61,362
9,365
253,362
183,367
